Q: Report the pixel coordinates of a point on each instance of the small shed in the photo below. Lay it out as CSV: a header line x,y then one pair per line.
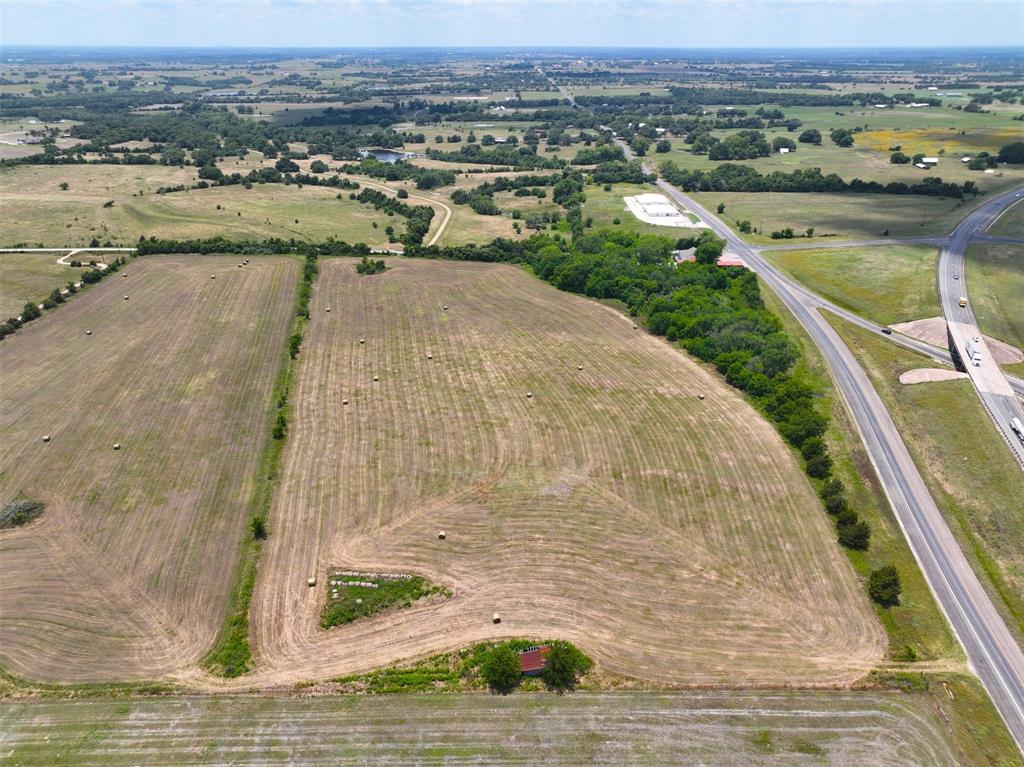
x,y
533,659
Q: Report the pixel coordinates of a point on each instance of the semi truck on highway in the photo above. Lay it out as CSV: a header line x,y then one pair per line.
x,y
963,301
974,351
1018,429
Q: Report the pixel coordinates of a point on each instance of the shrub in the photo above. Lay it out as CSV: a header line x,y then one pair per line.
x,y
884,585
500,670
835,504
855,535
403,194
812,447
819,466
258,527
29,312
19,512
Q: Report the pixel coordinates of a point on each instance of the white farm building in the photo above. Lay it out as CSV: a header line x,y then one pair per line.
x,y
656,206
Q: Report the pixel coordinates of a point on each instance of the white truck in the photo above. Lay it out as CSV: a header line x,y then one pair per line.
x,y
1018,429
974,351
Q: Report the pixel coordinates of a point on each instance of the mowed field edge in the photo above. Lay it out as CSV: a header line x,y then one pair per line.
x,y
126,575
675,539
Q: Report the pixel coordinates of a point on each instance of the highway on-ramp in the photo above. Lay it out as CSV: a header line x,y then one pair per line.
x,y
991,649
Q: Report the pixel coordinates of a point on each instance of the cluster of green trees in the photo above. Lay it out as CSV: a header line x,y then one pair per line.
x,y
424,178
520,158
730,177
564,665
417,217
371,266
742,145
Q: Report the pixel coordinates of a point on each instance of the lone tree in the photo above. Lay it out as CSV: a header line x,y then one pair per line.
x,y
884,585
810,136
501,670
563,666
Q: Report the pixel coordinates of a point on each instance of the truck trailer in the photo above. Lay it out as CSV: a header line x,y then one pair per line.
x,y
1018,429
974,351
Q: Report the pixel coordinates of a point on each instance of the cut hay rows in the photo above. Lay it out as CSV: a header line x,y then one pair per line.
x,y
127,572
674,539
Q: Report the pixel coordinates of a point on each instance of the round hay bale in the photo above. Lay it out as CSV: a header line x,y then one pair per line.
x,y
126,298
344,402
311,581
362,340
117,446
579,367
446,307
88,332
213,276
430,356
495,618
359,600
441,535
634,326
529,395
328,308
375,378
124,275
46,438
700,396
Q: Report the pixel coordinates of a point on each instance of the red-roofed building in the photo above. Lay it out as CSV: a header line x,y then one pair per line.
x,y
532,660
730,259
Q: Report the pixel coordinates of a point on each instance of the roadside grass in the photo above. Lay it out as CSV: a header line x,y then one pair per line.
x,y
884,284
963,460
1011,223
347,602
845,216
995,281
917,621
31,277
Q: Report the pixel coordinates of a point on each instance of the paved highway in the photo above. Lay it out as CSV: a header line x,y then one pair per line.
x,y
992,386
991,650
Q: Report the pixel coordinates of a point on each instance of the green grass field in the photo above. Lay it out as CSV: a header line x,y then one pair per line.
x,y
963,460
995,280
30,277
37,211
917,621
847,216
885,284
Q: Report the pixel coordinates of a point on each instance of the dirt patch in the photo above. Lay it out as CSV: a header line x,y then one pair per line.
x,y
933,331
925,375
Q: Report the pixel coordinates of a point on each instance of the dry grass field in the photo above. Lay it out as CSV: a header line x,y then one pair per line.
x,y
734,729
127,572
674,539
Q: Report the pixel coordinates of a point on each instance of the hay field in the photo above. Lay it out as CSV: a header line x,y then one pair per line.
x,y
728,728
30,277
127,572
674,539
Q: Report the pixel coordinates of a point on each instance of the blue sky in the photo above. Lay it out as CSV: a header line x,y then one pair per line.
x,y
661,23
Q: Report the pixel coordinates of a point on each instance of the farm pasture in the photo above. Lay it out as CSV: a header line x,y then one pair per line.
x,y
126,574
674,539
31,277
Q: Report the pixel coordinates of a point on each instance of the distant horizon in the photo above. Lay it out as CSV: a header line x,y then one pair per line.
x,y
484,24
550,47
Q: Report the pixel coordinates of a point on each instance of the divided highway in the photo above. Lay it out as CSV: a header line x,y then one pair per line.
x,y
991,650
